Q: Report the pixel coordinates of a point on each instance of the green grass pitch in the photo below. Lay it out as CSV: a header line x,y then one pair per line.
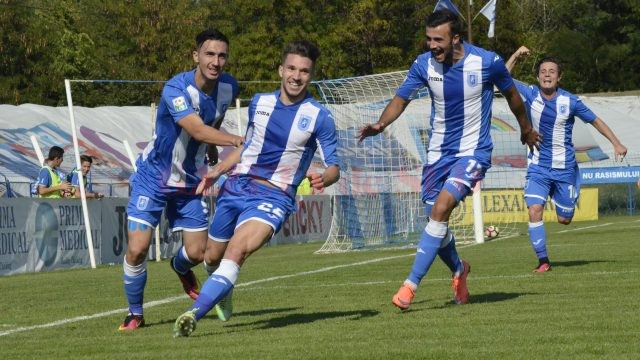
x,y
292,304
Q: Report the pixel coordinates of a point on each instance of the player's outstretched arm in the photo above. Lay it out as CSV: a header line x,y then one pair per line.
x,y
391,112
619,149
193,124
528,135
522,51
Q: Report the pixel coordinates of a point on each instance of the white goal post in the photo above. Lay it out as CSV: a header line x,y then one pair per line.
x,y
377,202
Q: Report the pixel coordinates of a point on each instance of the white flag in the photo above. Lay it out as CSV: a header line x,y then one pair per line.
x,y
447,4
489,11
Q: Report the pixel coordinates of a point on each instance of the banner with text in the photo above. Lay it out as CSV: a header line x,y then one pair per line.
x,y
510,206
311,222
41,235
610,175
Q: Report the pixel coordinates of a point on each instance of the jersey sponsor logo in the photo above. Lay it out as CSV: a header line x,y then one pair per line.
x,y
263,113
303,122
472,79
179,104
142,203
435,78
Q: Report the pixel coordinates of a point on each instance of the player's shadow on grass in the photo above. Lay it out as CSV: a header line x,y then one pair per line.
x,y
575,263
494,297
212,315
473,299
300,318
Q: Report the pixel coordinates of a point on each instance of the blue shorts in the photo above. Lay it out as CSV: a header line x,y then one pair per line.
x,y
458,174
243,198
562,185
184,210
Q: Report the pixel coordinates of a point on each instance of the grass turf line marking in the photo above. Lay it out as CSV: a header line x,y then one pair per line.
x,y
176,298
448,279
586,227
88,317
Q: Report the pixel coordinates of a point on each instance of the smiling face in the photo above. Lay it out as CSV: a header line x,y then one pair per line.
x,y
86,166
441,43
210,58
296,73
548,77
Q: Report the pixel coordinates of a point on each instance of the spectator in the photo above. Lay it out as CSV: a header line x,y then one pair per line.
x,y
85,165
51,183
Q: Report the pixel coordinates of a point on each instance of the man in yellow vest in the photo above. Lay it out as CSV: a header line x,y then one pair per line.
x,y
51,182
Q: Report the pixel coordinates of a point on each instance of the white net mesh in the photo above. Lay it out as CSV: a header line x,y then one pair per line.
x,y
377,201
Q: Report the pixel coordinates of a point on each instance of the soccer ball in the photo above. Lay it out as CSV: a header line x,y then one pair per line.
x,y
491,232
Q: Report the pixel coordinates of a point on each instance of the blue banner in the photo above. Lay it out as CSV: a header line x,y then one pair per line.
x,y
610,175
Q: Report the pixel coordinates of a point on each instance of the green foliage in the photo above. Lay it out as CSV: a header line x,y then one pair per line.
x,y
292,304
44,42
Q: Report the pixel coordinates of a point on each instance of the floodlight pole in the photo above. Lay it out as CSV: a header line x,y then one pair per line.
x,y
83,196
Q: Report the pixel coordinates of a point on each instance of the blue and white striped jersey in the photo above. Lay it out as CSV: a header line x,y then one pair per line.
x,y
461,99
173,156
554,120
282,139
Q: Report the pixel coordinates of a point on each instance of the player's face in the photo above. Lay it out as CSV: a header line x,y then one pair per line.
x,y
211,59
441,43
296,73
86,166
548,76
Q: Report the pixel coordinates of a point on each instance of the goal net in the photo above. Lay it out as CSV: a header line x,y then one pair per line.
x,y
377,202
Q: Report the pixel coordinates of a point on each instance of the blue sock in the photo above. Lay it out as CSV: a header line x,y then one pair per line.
x,y
134,289
216,287
538,239
181,261
213,290
449,255
428,247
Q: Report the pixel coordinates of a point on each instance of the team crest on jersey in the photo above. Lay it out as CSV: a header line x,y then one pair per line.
x,y
563,109
143,201
179,104
303,123
472,79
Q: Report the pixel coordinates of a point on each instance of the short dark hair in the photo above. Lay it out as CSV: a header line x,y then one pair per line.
x,y
444,16
55,152
86,158
551,59
210,34
303,48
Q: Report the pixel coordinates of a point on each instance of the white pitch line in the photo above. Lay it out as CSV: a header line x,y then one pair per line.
x,y
87,317
586,227
176,298
448,279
